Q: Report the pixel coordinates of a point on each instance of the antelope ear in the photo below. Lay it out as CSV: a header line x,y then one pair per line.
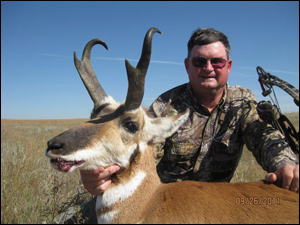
x,y
163,127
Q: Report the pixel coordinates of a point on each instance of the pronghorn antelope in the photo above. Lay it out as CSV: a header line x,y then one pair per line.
x,y
124,134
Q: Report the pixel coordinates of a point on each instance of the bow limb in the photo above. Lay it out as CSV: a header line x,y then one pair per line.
x,y
271,114
267,81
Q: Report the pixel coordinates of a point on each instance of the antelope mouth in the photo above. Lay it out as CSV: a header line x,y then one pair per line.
x,y
65,165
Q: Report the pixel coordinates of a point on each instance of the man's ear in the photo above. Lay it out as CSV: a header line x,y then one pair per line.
x,y
163,127
229,65
186,64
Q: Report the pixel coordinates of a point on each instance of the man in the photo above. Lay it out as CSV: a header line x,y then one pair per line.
x,y
223,118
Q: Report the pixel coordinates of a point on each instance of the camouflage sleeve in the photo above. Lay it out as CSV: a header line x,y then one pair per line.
x,y
266,143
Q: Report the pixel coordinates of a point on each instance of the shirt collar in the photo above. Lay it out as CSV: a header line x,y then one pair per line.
x,y
198,106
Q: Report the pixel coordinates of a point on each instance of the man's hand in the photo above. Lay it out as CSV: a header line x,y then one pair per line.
x,y
98,180
286,177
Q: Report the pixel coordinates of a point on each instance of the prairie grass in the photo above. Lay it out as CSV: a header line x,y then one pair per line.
x,y
32,192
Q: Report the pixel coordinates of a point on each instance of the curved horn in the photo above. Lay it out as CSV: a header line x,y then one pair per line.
x,y
136,76
87,73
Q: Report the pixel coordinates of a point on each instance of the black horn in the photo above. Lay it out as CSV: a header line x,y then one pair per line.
x,y
136,76
87,73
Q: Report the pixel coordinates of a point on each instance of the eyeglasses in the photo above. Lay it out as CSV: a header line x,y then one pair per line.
x,y
217,63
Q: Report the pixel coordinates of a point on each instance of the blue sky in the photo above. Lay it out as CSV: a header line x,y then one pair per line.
x,y
39,79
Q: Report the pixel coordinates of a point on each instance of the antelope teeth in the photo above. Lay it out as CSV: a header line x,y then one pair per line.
x,y
60,160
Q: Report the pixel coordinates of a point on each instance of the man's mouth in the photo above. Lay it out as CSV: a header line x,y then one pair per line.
x,y
64,165
207,77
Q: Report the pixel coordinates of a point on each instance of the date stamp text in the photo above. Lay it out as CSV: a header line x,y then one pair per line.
x,y
257,201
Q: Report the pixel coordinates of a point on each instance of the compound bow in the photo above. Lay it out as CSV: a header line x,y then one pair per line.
x,y
272,113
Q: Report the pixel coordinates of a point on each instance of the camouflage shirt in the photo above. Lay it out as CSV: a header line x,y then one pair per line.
x,y
208,146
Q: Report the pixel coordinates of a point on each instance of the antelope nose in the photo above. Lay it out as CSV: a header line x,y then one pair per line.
x,y
53,145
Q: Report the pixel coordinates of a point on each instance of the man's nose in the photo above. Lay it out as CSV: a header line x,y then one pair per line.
x,y
208,66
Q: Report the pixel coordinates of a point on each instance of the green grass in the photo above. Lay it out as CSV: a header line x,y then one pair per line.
x,y
32,192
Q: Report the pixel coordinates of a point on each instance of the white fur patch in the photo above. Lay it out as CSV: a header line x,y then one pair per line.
x,y
134,110
142,146
109,99
120,192
106,218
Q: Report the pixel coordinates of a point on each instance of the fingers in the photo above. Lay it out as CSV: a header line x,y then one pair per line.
x,y
100,169
271,177
100,189
275,178
295,182
97,188
290,177
98,180
286,177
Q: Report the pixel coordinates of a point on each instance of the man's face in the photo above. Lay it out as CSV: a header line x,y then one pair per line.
x,y
208,77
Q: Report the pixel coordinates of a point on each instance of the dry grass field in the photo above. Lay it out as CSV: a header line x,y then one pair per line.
x,y
32,192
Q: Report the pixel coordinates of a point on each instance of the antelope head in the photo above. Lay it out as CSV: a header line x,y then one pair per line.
x,y
117,131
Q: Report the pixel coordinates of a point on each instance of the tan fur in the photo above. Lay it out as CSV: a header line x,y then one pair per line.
x,y
201,202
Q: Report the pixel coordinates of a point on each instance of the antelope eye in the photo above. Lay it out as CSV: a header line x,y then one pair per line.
x,y
131,127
